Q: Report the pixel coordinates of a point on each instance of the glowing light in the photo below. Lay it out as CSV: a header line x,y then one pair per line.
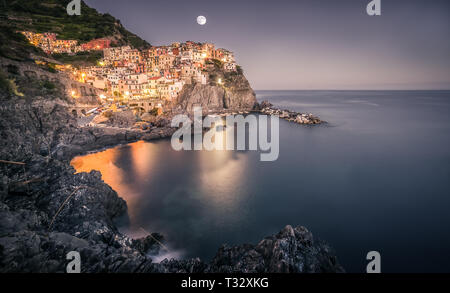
x,y
219,81
102,97
127,93
73,93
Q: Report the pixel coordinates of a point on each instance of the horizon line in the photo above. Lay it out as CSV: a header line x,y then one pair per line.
x,y
348,90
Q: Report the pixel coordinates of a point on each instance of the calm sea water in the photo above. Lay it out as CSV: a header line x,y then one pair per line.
x,y
376,178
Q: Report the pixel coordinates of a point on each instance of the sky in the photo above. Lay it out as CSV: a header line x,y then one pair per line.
x,y
307,44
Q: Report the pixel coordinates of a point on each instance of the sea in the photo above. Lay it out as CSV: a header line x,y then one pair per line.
x,y
375,177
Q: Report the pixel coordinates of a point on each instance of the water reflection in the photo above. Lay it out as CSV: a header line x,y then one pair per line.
x,y
109,163
167,191
142,157
221,174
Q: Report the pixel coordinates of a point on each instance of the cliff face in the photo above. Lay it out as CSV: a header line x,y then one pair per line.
x,y
234,93
238,93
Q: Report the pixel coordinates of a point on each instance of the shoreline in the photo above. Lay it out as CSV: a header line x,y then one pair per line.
x,y
156,133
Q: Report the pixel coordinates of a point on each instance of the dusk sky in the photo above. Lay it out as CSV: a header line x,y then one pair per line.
x,y
308,44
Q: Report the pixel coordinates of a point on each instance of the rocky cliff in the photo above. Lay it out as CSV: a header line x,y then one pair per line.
x,y
225,91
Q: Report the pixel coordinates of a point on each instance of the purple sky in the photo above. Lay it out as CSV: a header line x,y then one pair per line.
x,y
308,44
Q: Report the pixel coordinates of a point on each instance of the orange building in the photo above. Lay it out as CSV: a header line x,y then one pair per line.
x,y
98,44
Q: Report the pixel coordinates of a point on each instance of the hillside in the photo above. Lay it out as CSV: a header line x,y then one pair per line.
x,y
50,16
14,45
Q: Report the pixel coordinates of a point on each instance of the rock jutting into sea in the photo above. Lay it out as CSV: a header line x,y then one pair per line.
x,y
301,118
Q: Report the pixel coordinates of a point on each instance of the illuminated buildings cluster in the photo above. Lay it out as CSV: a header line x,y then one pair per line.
x,y
50,44
154,73
127,75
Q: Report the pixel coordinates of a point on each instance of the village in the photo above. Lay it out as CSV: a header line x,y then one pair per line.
x,y
144,80
148,81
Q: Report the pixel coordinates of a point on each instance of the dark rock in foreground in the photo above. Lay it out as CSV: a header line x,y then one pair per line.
x,y
292,250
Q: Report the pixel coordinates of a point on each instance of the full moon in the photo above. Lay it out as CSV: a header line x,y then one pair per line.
x,y
201,20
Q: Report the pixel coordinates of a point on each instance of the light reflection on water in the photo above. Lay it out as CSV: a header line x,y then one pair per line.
x,y
376,178
135,171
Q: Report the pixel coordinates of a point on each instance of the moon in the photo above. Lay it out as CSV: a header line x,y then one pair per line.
x,y
201,20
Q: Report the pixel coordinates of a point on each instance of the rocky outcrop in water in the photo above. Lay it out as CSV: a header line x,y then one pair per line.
x,y
300,118
292,250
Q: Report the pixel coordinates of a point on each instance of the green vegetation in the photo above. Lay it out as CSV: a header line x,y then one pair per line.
x,y
48,85
4,83
13,69
15,46
9,86
51,16
217,63
230,75
80,59
153,112
50,67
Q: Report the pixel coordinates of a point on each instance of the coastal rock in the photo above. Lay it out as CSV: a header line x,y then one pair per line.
x,y
235,94
147,117
265,104
292,250
206,96
123,119
299,118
